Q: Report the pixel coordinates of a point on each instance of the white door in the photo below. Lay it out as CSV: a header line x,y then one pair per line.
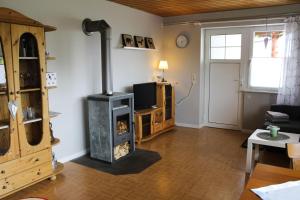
x,y
224,93
223,52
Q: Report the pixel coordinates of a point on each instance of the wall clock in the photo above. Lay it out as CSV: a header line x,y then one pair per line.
x,y
182,41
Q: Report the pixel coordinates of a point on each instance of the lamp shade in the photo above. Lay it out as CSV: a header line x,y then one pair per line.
x,y
163,64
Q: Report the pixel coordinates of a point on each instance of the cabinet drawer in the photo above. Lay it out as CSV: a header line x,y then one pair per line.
x,y
22,164
22,179
157,127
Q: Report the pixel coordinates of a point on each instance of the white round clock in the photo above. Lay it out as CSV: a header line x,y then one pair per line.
x,y
182,41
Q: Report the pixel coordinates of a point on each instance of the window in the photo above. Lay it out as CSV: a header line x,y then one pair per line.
x,y
225,47
267,59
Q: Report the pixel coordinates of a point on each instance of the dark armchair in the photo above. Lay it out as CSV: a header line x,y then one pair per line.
x,y
293,125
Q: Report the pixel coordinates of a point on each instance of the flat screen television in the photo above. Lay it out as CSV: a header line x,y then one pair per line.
x,y
144,95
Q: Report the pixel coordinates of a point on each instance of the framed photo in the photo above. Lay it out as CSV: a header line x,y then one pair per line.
x,y
127,40
139,42
149,43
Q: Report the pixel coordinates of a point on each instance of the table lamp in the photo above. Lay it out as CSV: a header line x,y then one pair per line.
x,y
163,64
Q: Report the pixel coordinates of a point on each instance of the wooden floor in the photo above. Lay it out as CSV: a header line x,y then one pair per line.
x,y
206,164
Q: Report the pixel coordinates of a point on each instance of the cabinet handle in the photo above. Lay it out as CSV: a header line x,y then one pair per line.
x,y
4,187
18,92
37,160
2,171
38,173
11,93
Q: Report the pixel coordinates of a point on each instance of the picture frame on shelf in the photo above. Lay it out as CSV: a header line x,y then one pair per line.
x,y
139,42
149,43
127,40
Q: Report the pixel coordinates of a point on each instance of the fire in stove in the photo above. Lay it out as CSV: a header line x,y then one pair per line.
x,y
122,127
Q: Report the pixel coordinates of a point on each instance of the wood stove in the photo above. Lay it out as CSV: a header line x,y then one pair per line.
x,y
111,126
110,113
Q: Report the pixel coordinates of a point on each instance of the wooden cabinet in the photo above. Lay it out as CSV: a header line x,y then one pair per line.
x,y
152,122
25,140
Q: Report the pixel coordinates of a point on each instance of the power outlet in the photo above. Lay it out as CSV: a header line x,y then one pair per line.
x,y
194,78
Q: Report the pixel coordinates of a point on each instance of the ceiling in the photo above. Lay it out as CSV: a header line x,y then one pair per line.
x,y
166,8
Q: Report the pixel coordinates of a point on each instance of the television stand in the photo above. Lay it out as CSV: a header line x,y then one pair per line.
x,y
154,121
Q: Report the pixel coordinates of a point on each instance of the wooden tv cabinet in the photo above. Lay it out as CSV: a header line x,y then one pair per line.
x,y
152,122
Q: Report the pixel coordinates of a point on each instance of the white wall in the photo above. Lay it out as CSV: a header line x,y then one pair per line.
x,y
78,58
183,62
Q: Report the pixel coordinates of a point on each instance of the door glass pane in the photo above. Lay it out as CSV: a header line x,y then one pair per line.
x,y
225,47
233,53
217,41
217,53
30,88
4,113
168,100
233,40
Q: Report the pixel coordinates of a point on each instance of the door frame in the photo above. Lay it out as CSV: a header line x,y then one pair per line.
x,y
218,31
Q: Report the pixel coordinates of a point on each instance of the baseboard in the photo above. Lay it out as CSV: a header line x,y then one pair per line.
x,y
76,155
248,131
188,125
222,126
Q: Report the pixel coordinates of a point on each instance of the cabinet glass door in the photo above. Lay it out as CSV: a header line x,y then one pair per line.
x,y
31,92
168,102
9,148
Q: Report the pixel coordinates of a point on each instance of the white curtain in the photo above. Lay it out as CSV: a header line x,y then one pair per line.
x,y
289,93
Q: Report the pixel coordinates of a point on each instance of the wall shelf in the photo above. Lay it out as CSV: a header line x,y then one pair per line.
x,y
53,114
136,48
51,87
3,93
50,58
55,141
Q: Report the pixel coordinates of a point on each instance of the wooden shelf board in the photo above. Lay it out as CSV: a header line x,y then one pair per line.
x,y
137,48
28,58
53,114
59,168
30,90
146,111
4,124
50,58
56,141
32,120
3,93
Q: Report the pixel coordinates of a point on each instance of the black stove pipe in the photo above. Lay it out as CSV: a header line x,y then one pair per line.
x,y
88,27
